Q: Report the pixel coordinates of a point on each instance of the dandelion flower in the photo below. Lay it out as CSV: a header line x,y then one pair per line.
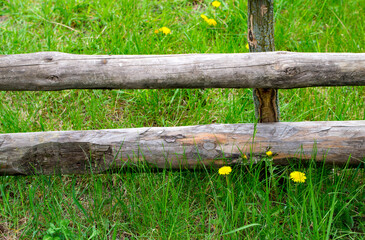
x,y
211,22
165,30
225,170
156,31
269,153
298,176
204,17
247,46
216,4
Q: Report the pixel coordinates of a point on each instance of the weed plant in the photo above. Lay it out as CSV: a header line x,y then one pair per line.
x,y
253,202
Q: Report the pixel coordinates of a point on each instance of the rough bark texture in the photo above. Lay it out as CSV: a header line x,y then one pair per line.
x,y
260,35
58,71
188,147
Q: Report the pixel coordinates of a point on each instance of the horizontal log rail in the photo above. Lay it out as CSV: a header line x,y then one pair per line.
x,y
278,70
71,152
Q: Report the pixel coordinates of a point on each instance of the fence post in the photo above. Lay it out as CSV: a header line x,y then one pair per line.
x,y
260,36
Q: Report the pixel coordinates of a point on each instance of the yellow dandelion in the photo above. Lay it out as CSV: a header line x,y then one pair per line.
x,y
225,170
204,17
244,156
247,46
211,22
298,176
156,31
269,153
216,4
165,30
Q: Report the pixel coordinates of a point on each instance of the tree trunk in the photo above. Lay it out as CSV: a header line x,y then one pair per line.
x,y
75,152
260,35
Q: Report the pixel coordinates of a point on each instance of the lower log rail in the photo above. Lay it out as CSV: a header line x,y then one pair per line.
x,y
76,152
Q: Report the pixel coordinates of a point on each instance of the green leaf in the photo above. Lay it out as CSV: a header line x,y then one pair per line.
x,y
241,228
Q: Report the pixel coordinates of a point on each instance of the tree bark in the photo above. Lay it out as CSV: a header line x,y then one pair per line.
x,y
271,70
260,35
75,152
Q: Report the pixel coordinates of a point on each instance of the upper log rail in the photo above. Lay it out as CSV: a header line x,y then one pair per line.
x,y
49,71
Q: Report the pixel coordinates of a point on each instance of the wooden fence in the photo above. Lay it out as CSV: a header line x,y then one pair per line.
x,y
69,152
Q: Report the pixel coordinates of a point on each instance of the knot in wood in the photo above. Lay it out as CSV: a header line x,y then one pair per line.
x,y
48,58
263,10
53,78
172,139
291,71
209,145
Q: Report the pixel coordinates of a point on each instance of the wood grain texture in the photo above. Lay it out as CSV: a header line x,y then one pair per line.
x,y
186,147
266,104
260,36
59,71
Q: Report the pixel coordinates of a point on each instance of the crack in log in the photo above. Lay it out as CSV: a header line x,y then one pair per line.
x,y
251,37
288,131
142,133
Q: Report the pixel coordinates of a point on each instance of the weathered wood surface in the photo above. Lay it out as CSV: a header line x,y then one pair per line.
x,y
260,36
181,147
58,71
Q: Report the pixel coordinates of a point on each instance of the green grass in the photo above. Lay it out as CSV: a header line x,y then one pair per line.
x,y
188,205
141,204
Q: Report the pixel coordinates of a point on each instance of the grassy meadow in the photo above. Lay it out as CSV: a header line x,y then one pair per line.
x,y
253,202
